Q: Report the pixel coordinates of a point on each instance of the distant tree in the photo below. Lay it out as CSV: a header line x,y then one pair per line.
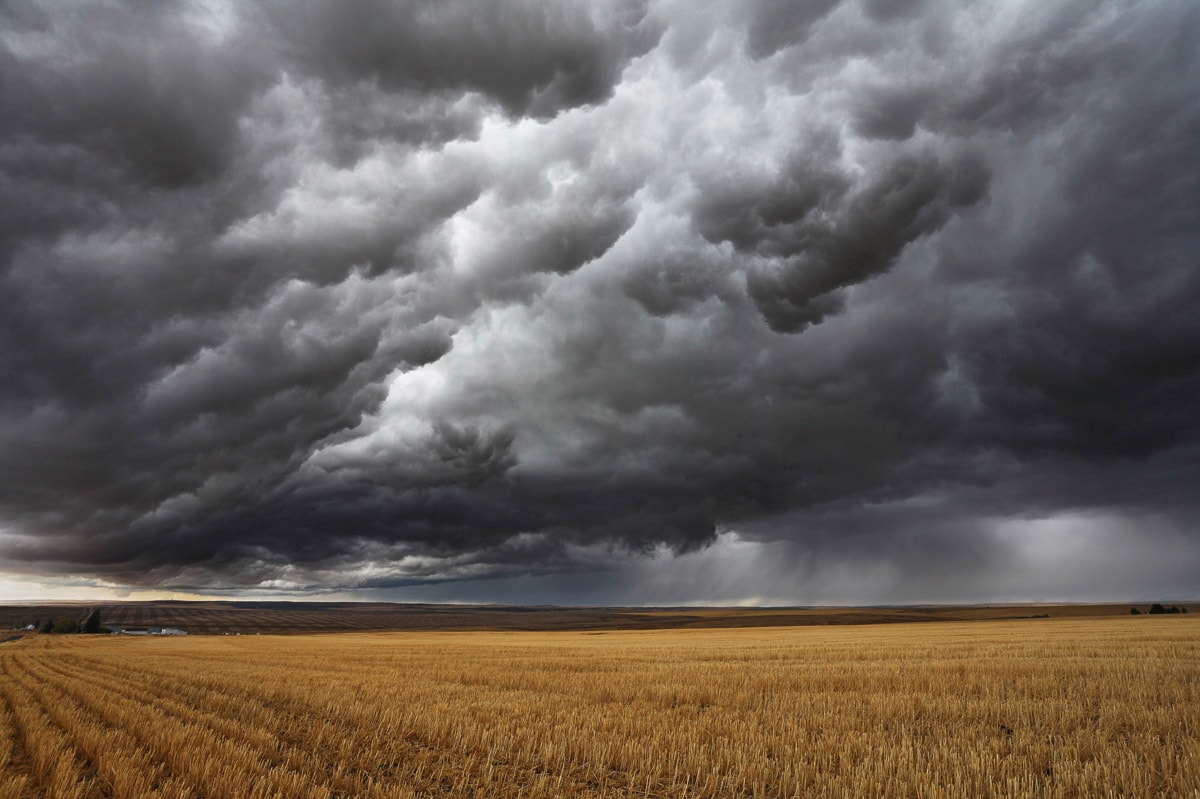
x,y
47,626
65,627
1134,612
91,624
1157,608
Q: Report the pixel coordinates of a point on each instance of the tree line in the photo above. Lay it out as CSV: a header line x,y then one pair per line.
x,y
1158,608
89,624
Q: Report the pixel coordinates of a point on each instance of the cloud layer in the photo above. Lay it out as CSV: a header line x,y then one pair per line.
x,y
370,294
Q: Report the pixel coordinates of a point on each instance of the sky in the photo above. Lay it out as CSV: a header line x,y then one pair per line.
x,y
601,302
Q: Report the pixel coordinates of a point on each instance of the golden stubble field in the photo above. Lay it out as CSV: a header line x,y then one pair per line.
x,y
1071,708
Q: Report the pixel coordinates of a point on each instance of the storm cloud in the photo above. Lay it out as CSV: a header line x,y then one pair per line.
x,y
619,301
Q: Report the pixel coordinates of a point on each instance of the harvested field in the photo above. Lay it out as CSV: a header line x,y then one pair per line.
x,y
219,618
1049,707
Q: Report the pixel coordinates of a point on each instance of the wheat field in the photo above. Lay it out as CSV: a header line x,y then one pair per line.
x,y
1054,708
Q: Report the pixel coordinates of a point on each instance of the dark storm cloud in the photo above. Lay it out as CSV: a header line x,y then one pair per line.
x,y
811,259
776,24
378,294
530,58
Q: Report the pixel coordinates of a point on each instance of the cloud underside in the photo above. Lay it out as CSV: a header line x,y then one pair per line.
x,y
371,294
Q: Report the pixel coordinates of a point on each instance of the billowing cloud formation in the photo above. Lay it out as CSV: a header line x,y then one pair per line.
x,y
369,294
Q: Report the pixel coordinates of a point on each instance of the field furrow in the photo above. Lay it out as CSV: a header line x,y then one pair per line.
x,y
778,733
112,753
998,709
57,768
282,740
166,740
345,746
15,766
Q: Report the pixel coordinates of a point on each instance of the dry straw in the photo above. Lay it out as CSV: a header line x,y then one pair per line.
x,y
1046,708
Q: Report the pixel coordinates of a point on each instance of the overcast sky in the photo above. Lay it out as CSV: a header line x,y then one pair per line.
x,y
857,301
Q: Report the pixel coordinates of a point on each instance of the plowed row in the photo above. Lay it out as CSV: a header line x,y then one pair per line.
x,y
1059,708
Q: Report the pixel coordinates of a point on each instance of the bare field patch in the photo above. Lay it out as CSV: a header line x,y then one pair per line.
x,y
1055,708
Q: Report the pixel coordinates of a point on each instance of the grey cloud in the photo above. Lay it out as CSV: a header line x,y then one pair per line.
x,y
1104,362
891,112
388,295
528,58
890,10
154,115
678,280
478,456
824,248
776,24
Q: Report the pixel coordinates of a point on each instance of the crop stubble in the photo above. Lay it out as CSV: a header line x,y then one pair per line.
x,y
1093,707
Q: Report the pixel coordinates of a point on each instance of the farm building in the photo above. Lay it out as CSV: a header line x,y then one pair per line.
x,y
147,631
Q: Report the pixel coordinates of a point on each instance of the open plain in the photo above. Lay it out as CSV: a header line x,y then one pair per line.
x,y
251,617
1027,708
